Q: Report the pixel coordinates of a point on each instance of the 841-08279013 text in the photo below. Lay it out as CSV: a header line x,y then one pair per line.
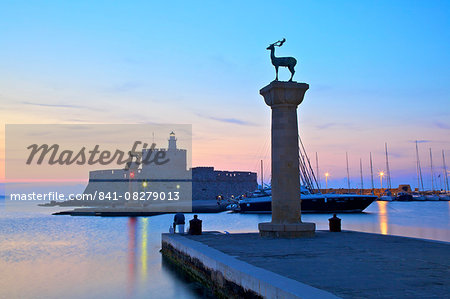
x,y
142,195
98,195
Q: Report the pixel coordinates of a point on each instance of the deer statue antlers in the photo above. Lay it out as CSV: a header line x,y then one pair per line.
x,y
288,62
279,43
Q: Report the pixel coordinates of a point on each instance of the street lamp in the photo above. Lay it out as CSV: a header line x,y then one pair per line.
x,y
381,179
326,180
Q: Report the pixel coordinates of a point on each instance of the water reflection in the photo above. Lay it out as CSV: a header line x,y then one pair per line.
x,y
144,231
383,217
133,261
131,255
122,254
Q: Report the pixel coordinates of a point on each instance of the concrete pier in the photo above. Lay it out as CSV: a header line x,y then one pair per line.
x,y
198,206
229,277
283,98
330,265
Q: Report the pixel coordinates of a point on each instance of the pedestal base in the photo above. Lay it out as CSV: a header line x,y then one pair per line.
x,y
293,230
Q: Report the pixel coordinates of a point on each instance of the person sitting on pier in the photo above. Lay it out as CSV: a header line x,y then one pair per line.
x,y
195,226
178,220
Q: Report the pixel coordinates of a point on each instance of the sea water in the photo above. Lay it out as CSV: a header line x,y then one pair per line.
x,y
49,256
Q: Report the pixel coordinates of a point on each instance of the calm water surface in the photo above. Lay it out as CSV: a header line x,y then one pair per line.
x,y
45,256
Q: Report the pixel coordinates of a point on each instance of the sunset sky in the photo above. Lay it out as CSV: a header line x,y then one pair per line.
x,y
379,71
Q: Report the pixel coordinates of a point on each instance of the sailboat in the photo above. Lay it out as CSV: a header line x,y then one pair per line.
x,y
446,194
431,196
417,195
312,199
388,172
318,173
348,172
361,173
371,173
388,195
262,175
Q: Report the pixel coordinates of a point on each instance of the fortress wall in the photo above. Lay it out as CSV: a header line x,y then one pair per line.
x,y
209,190
207,183
116,174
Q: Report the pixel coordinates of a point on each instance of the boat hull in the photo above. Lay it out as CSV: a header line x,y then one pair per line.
x,y
343,204
404,197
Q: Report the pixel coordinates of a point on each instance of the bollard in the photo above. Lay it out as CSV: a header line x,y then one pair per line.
x,y
195,226
335,224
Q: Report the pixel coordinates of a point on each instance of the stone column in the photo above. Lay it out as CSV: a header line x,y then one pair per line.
x,y
283,98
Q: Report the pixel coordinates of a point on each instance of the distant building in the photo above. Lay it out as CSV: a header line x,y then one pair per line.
x,y
204,182
376,191
404,188
207,183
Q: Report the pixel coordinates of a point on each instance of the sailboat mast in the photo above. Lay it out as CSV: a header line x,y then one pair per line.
x,y
360,170
388,172
445,173
317,168
417,166
419,170
371,172
348,172
431,169
306,170
262,175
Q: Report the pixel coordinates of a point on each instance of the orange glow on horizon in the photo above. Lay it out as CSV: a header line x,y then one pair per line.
x,y
43,181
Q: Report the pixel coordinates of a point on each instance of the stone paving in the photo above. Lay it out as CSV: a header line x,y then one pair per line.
x,y
348,264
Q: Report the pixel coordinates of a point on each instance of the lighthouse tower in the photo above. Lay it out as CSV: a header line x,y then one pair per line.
x,y
172,142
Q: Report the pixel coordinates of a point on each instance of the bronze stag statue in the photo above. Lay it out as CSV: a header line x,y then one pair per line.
x,y
288,62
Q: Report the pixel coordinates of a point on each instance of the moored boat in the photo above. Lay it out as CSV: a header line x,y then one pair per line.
x,y
261,202
417,196
444,197
431,197
386,198
403,196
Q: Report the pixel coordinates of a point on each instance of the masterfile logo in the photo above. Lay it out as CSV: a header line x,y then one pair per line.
x,y
54,155
140,167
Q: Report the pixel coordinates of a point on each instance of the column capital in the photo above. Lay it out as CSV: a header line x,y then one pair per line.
x,y
284,93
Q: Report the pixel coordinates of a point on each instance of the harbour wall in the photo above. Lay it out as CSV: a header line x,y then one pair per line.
x,y
229,277
207,183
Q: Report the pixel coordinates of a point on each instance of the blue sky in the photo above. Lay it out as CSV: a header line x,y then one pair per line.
x,y
378,72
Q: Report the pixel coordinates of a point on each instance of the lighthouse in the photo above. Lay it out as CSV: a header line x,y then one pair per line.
x,y
172,142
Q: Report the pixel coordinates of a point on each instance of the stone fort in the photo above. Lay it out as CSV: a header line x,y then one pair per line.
x,y
206,183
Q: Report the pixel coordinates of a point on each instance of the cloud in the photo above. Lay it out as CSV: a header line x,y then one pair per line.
x,y
229,120
126,86
333,124
78,120
59,106
420,141
442,125
233,121
396,154
326,126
